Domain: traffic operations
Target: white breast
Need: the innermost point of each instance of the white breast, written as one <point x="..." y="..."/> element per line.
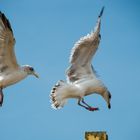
<point x="12" y="78"/>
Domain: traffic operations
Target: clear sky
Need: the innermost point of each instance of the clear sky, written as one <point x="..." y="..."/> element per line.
<point x="45" y="32"/>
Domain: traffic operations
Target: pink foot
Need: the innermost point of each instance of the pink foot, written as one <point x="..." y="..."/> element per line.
<point x="92" y="109"/>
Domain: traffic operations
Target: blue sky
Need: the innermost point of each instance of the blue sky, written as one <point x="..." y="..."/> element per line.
<point x="45" y="32"/>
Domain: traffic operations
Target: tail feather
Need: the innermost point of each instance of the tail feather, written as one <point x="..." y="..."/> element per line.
<point x="56" y="96"/>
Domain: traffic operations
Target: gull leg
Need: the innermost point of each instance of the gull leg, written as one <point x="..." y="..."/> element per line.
<point x="1" y="97"/>
<point x="89" y="107"/>
<point x="79" y="103"/>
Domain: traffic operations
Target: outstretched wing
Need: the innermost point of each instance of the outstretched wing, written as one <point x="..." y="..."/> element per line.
<point x="7" y="41"/>
<point x="82" y="54"/>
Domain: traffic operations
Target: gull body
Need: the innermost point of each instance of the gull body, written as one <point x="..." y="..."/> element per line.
<point x="10" y="71"/>
<point x="81" y="76"/>
<point x="12" y="77"/>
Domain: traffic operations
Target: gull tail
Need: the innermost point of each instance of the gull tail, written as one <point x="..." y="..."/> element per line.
<point x="58" y="99"/>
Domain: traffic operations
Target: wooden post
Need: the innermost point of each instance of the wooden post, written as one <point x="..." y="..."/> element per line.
<point x="96" y="135"/>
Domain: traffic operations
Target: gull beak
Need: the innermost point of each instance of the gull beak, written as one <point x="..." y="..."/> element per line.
<point x="109" y="106"/>
<point x="35" y="74"/>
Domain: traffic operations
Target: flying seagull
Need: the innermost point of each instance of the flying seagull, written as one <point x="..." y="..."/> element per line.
<point x="81" y="76"/>
<point x="10" y="71"/>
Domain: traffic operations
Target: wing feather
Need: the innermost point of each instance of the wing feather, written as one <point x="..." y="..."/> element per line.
<point x="82" y="54"/>
<point x="7" y="42"/>
<point x="84" y="49"/>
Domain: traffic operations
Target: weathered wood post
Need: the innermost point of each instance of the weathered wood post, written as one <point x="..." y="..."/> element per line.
<point x="101" y="135"/>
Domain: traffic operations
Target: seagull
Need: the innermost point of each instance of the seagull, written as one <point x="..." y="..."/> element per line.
<point x="82" y="79"/>
<point x="10" y="71"/>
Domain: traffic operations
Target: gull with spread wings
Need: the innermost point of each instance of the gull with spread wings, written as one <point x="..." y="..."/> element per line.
<point x="81" y="76"/>
<point x="10" y="71"/>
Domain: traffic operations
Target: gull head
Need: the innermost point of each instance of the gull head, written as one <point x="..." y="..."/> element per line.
<point x="30" y="70"/>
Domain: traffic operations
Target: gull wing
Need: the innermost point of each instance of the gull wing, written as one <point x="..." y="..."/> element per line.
<point x="82" y="54"/>
<point x="7" y="42"/>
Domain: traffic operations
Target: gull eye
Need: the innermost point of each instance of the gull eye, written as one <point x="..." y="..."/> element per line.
<point x="31" y="69"/>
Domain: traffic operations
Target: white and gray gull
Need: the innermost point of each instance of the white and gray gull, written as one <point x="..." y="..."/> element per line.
<point x="81" y="76"/>
<point x="10" y="71"/>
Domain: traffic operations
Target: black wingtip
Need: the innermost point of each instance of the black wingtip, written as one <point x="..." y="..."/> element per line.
<point x="5" y="21"/>
<point x="102" y="10"/>
<point x="1" y="14"/>
<point x="1" y="97"/>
